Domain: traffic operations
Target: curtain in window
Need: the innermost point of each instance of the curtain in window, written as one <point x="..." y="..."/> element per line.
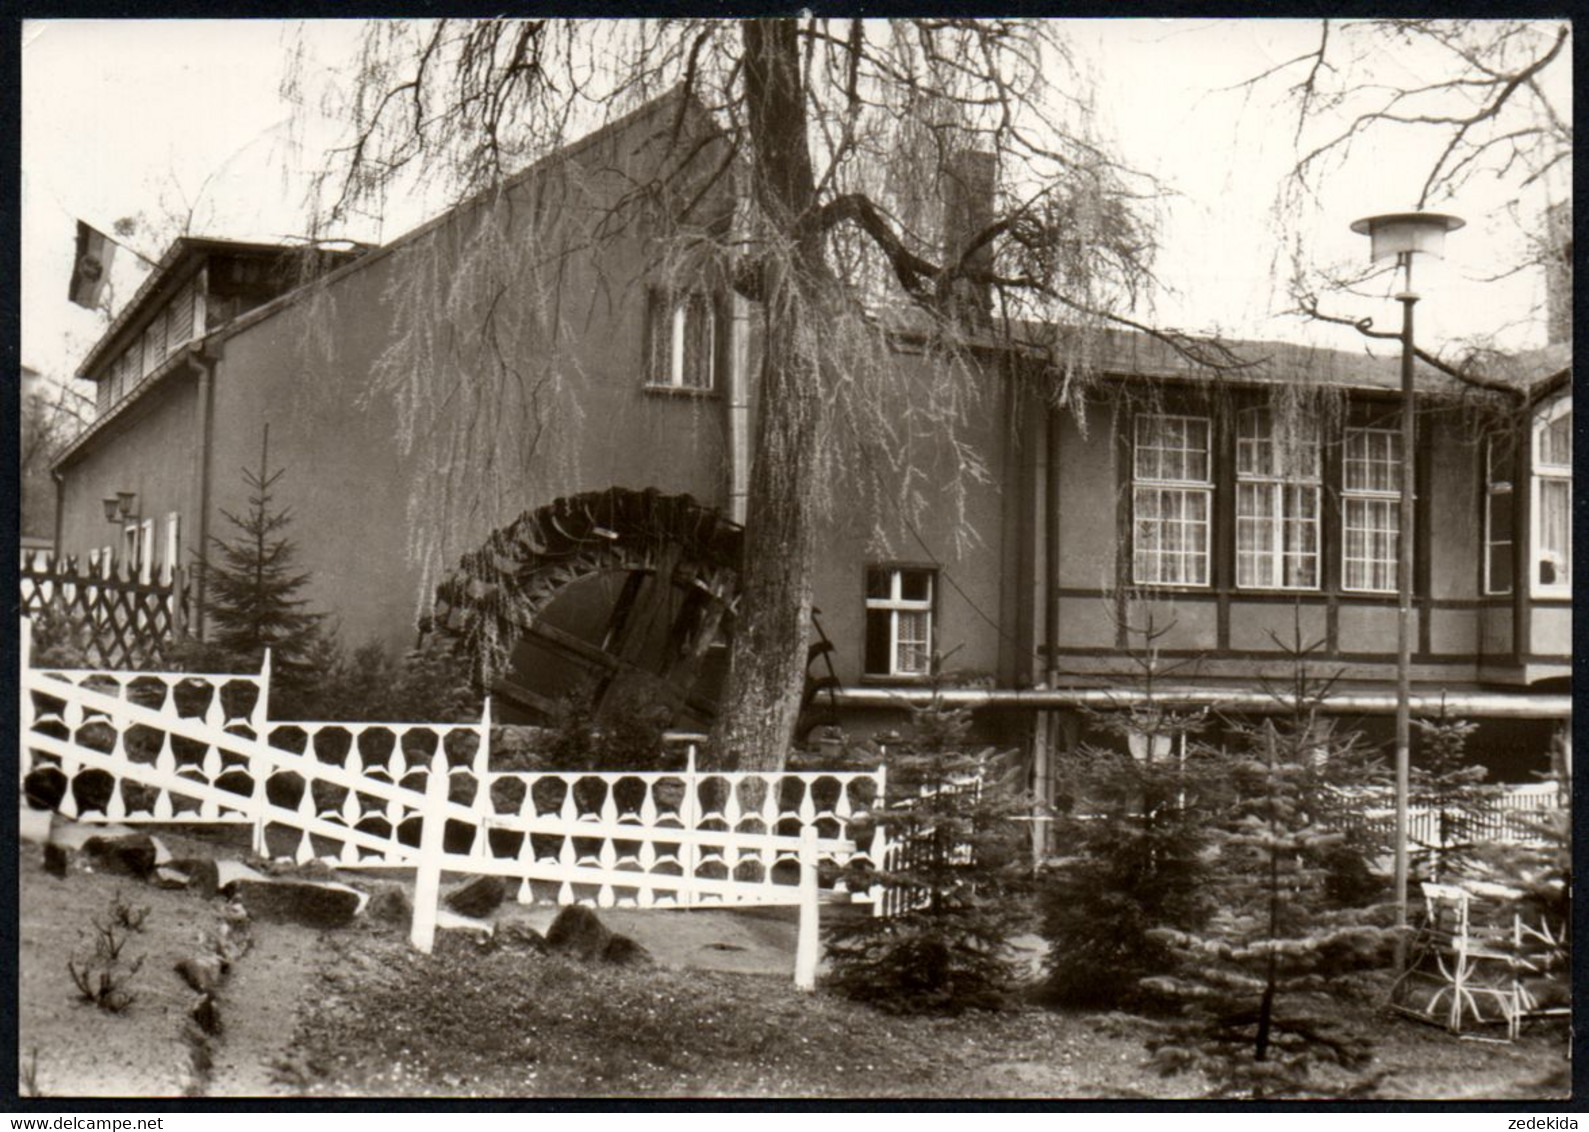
<point x="1555" y="531"/>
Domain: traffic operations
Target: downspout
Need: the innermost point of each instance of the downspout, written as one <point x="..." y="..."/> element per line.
<point x="738" y="407"/>
<point x="60" y="511"/>
<point x="201" y="475"/>
<point x="739" y="314"/>
<point x="1050" y="729"/>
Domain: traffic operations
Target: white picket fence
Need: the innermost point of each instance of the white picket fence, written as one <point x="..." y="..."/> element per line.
<point x="181" y="747"/>
<point x="1513" y="815"/>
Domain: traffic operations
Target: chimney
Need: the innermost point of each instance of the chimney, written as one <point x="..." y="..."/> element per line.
<point x="968" y="208"/>
<point x="1558" y="272"/>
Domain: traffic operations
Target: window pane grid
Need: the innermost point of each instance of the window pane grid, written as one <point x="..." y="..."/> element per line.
<point x="1171" y="449"/>
<point x="1551" y="536"/>
<point x="1370" y="542"/>
<point x="899" y="627"/>
<point x="1373" y="461"/>
<point x="1277" y="506"/>
<point x="1497" y="517"/>
<point x="1554" y="525"/>
<point x="1171" y="546"/>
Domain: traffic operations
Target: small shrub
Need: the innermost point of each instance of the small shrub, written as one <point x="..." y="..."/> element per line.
<point x="103" y="975"/>
<point x="29" y="1082"/>
<point x="125" y="915"/>
<point x="627" y="736"/>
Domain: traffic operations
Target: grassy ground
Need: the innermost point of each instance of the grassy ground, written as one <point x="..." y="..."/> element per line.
<point x="358" y="1013"/>
<point x="467" y="1022"/>
<point x="82" y="1050"/>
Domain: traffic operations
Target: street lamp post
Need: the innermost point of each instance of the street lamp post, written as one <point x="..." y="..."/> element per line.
<point x="1405" y="235"/>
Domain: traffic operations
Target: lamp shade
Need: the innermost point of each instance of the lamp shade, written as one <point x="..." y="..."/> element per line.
<point x="112" y="507"/>
<point x="1398" y="232"/>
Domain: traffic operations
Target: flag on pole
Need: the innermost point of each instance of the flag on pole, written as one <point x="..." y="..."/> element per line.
<point x="91" y="269"/>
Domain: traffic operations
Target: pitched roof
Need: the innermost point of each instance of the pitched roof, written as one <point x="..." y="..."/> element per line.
<point x="167" y="274"/>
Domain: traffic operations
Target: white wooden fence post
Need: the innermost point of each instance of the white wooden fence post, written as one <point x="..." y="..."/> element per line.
<point x="689" y="818"/>
<point x="482" y="789"/>
<point x="427" y="876"/>
<point x="806" y="942"/>
<point x="258" y="770"/>
<point x="25" y="704"/>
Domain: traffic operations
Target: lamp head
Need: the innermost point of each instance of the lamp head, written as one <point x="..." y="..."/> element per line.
<point x="119" y="507"/>
<point x="1395" y="234"/>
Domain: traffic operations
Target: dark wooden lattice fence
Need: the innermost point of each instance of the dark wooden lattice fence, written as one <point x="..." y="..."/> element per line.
<point x="119" y="619"/>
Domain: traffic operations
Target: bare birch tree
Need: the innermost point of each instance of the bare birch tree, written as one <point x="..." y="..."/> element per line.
<point x="843" y="137"/>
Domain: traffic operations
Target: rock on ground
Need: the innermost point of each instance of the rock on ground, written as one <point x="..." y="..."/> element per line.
<point x="579" y="932"/>
<point x="132" y="855"/>
<point x="309" y="903"/>
<point x="477" y="898"/>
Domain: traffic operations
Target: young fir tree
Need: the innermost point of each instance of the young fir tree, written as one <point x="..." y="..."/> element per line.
<point x="1135" y="859"/>
<point x="1256" y="983"/>
<point x="1448" y="786"/>
<point x="954" y="885"/>
<point x="1134" y="843"/>
<point x="251" y="588"/>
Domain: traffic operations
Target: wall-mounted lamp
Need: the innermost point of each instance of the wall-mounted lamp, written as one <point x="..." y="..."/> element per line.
<point x="120" y="507"/>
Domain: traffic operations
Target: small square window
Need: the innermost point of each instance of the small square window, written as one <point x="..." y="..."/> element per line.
<point x="899" y="621"/>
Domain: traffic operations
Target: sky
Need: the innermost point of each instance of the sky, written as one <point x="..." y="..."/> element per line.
<point x="122" y="118"/>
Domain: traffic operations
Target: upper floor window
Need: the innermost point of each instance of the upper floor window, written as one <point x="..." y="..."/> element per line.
<point x="1498" y="515"/>
<point x="1277" y="502"/>
<point x="683" y="340"/>
<point x="899" y="606"/>
<point x="1551" y="544"/>
<point x="1171" y="495"/>
<point x="1371" y="509"/>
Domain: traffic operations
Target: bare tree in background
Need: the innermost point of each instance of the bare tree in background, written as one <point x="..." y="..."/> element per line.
<point x="1476" y="100"/>
<point x="845" y="137"/>
<point x="51" y="416"/>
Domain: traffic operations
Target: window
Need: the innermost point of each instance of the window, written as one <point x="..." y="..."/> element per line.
<point x="1371" y="509"/>
<point x="1551" y="544"/>
<point x="1498" y="512"/>
<point x="1277" y="503"/>
<point x="683" y="341"/>
<point x="1170" y="501"/>
<point x="898" y="622"/>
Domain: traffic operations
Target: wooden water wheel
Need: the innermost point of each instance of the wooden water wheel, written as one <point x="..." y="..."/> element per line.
<point x="626" y="596"/>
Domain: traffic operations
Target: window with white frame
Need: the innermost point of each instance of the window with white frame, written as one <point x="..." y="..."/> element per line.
<point x="1171" y="497"/>
<point x="1498" y="515"/>
<point x="1551" y="530"/>
<point x="1372" y="468"/>
<point x="682" y="351"/>
<point x="1277" y="502"/>
<point x="899" y="605"/>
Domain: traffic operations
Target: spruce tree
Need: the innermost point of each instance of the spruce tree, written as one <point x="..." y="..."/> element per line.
<point x="955" y="884"/>
<point x="1445" y="784"/>
<point x="1256" y="983"/>
<point x="251" y="588"/>
<point x="1134" y="839"/>
<point x="1135" y="851"/>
